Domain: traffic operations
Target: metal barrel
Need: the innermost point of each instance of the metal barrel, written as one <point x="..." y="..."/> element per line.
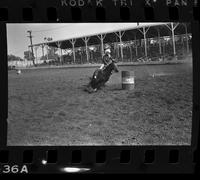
<point x="128" y="80"/>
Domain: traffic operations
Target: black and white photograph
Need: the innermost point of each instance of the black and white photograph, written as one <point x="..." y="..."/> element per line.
<point x="99" y="84"/>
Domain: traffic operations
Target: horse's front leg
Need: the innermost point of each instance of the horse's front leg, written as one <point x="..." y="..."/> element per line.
<point x="116" y="68"/>
<point x="101" y="85"/>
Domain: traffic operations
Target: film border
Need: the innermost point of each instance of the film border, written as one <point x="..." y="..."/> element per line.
<point x="112" y="163"/>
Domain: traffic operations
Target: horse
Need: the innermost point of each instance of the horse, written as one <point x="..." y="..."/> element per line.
<point x="101" y="76"/>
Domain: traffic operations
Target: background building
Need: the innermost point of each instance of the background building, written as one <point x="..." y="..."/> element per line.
<point x="164" y="41"/>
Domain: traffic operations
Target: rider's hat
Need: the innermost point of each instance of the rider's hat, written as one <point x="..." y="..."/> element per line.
<point x="107" y="48"/>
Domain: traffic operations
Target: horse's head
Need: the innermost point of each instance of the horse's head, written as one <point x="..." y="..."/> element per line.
<point x="97" y="76"/>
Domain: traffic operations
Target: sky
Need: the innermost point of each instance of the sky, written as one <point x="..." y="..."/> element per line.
<point x="18" y="41"/>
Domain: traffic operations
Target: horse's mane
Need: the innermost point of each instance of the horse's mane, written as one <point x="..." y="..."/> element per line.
<point x="109" y="68"/>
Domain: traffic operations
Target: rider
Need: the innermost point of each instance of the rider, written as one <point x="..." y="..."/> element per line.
<point x="107" y="58"/>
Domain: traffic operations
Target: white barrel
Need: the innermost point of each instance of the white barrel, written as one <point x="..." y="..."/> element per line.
<point x="128" y="80"/>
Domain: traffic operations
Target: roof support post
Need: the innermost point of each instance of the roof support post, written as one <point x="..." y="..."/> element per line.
<point x="86" y="39"/>
<point x="159" y="41"/>
<point x="136" y="52"/>
<point x="130" y="51"/>
<point x="172" y="28"/>
<point x="144" y="32"/>
<point x="145" y="41"/>
<point x="36" y="58"/>
<point x="60" y="50"/>
<point x="73" y="41"/>
<point x="102" y="37"/>
<point x="47" y="49"/>
<point x="121" y="45"/>
<point x="173" y="39"/>
<point x="120" y="35"/>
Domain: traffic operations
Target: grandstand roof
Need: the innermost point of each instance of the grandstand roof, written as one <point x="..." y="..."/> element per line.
<point x="129" y="34"/>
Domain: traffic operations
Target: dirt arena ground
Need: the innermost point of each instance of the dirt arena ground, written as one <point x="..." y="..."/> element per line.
<point x="50" y="107"/>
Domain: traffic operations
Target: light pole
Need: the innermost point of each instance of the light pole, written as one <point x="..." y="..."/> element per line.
<point x="30" y="36"/>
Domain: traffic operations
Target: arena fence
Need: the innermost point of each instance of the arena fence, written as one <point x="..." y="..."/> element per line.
<point x="133" y="51"/>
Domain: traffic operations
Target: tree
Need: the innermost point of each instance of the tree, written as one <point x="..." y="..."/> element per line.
<point x="12" y="57"/>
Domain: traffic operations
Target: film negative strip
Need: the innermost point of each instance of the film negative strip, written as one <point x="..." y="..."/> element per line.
<point x="95" y="86"/>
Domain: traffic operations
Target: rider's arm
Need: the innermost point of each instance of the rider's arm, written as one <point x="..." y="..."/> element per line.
<point x="105" y="60"/>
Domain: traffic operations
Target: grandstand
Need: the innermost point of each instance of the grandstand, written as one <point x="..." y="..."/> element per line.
<point x="157" y="42"/>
